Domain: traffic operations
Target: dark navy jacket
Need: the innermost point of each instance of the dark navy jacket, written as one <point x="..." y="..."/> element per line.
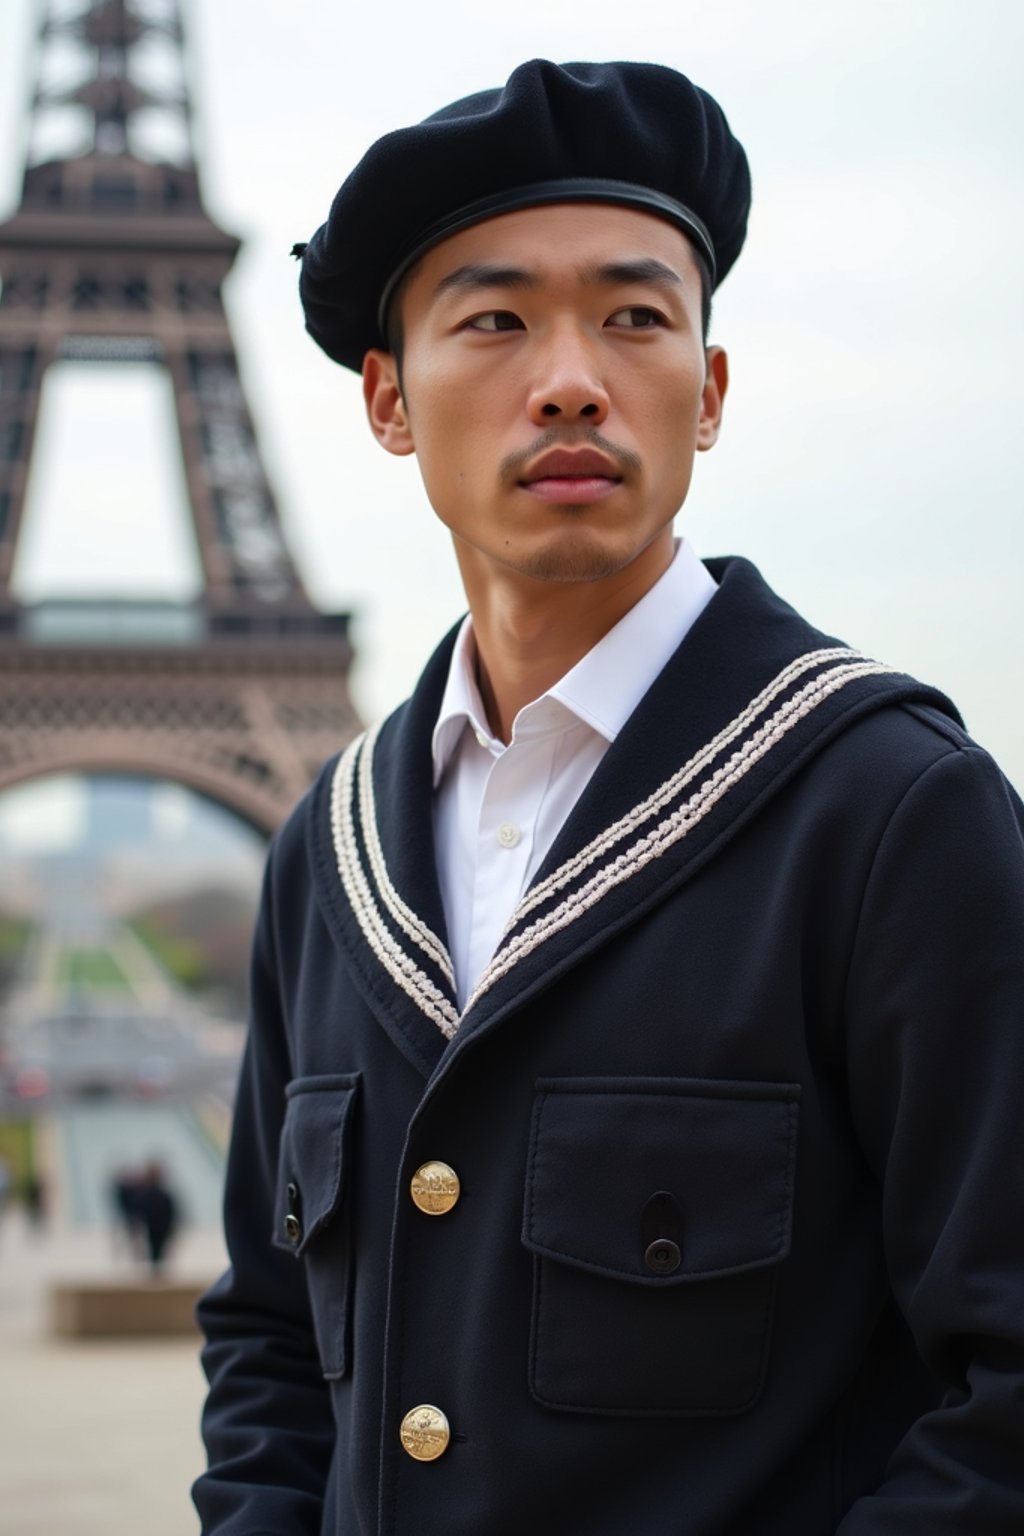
<point x="773" y="970"/>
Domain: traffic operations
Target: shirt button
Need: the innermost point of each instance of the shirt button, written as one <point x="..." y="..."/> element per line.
<point x="425" y="1433"/>
<point x="508" y="834"/>
<point x="435" y="1188"/>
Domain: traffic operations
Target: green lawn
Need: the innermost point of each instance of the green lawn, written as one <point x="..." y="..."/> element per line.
<point x="14" y="936"/>
<point x="92" y="970"/>
<point x="15" y="933"/>
<point x="17" y="1148"/>
<point x="179" y="956"/>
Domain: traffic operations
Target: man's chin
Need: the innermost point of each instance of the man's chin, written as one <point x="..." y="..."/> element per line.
<point x="578" y="558"/>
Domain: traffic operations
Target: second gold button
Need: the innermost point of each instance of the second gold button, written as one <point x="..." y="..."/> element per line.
<point x="435" y="1188"/>
<point x="425" y="1433"/>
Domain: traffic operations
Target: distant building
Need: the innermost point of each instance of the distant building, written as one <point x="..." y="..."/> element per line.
<point x="111" y="256"/>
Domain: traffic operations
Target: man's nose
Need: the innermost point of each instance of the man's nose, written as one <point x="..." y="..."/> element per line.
<point x="567" y="387"/>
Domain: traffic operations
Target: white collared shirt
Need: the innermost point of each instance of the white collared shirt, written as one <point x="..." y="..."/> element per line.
<point x="497" y="808"/>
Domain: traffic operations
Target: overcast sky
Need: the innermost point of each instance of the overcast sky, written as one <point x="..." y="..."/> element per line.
<point x="871" y="458"/>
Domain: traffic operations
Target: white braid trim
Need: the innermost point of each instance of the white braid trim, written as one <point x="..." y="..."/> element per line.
<point x="399" y="966"/>
<point x="674" y="827"/>
<point x="411" y="924"/>
<point x="679" y="780"/>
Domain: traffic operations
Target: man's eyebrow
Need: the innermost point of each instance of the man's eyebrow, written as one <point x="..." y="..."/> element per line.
<point x="476" y="275"/>
<point x="645" y="270"/>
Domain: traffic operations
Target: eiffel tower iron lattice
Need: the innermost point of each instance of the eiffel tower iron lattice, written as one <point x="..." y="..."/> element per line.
<point x="111" y="255"/>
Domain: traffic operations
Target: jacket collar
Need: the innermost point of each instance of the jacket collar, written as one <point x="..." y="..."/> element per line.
<point x="371" y="841"/>
<point x="749" y="696"/>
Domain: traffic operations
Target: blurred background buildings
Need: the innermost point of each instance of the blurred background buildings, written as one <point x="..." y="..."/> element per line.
<point x="149" y="743"/>
<point x="125" y="951"/>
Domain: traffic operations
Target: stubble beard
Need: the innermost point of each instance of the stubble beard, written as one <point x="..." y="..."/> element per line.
<point x="576" y="559"/>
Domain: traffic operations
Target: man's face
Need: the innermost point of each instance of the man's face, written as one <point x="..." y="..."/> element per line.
<point x="555" y="388"/>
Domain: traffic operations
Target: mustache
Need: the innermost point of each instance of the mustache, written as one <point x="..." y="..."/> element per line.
<point x="513" y="464"/>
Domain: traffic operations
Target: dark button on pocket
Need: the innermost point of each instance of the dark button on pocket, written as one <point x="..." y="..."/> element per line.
<point x="661" y="1225"/>
<point x="662" y="1256"/>
<point x="292" y="1224"/>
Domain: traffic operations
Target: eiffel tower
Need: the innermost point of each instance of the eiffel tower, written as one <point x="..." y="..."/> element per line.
<point x="111" y="256"/>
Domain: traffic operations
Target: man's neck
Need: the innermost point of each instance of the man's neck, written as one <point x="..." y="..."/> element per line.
<point x="529" y="634"/>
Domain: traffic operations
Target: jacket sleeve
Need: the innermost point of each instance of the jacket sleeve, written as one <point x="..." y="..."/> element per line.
<point x="268" y="1423"/>
<point x="936" y="1063"/>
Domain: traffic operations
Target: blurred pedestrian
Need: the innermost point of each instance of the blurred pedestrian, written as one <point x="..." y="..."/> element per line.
<point x="124" y="1199"/>
<point x="33" y="1198"/>
<point x="157" y="1213"/>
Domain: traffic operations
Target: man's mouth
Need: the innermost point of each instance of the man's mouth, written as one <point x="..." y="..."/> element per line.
<point x="571" y="476"/>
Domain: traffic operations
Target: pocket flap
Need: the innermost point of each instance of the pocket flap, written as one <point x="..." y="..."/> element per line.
<point x="312" y="1160"/>
<point x="601" y="1148"/>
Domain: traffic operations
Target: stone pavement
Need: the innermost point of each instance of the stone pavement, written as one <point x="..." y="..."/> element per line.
<point x="97" y="1437"/>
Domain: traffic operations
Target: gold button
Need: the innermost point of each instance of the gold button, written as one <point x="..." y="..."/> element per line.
<point x="435" y="1188"/>
<point x="425" y="1433"/>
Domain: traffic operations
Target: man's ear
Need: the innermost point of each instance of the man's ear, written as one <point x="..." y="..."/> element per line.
<point x="716" y="382"/>
<point x="385" y="408"/>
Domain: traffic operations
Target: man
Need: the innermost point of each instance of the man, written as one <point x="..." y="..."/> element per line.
<point x="629" y="1133"/>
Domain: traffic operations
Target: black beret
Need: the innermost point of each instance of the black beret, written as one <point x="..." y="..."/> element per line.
<point x="640" y="135"/>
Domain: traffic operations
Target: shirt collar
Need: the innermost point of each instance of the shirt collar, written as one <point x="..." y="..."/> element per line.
<point x="605" y="686"/>
<point x="461" y="704"/>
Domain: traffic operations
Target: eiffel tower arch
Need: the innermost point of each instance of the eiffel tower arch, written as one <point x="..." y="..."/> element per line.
<point x="112" y="256"/>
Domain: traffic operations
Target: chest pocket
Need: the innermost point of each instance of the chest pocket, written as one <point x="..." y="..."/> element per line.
<point x="312" y="1211"/>
<point x="658" y="1211"/>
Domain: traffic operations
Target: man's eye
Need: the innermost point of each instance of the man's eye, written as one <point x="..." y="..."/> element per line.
<point x="496" y="320"/>
<point x="637" y="318"/>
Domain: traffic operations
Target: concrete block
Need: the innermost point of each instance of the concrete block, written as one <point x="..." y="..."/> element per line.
<point x="82" y="1309"/>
